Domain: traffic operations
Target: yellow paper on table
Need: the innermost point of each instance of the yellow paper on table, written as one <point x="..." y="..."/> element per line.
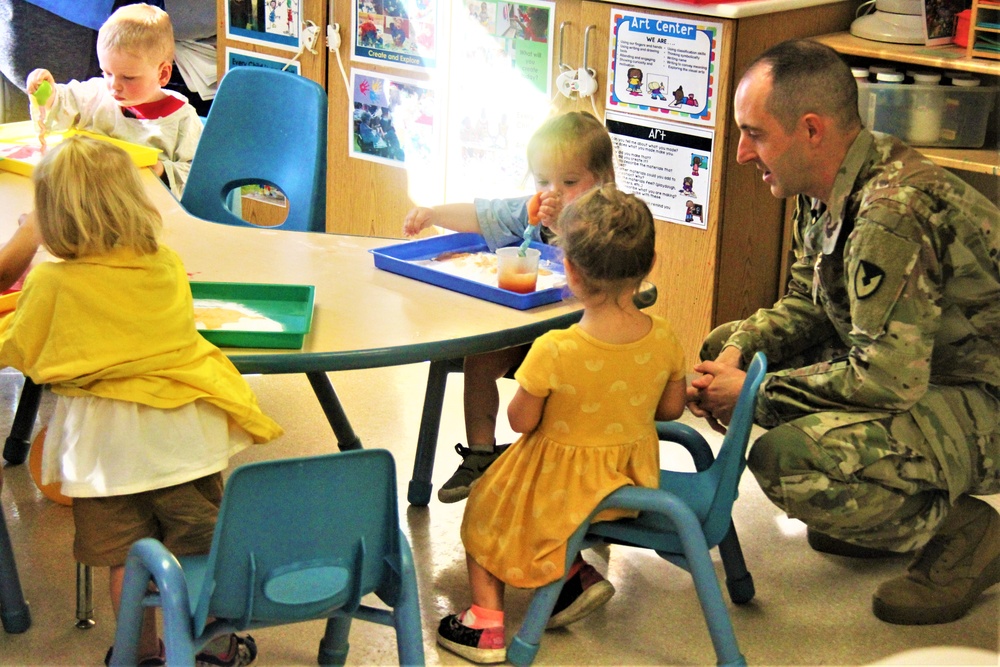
<point x="20" y="151"/>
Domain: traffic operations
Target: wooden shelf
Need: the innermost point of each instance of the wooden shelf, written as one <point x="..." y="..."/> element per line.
<point x="950" y="57"/>
<point x="942" y="57"/>
<point x="979" y="160"/>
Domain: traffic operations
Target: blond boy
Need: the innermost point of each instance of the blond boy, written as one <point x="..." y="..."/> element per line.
<point x="135" y="48"/>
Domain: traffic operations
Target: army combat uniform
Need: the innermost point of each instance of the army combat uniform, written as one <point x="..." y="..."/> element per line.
<point x="885" y="407"/>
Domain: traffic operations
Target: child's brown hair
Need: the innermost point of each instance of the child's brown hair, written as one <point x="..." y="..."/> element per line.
<point x="139" y="29"/>
<point x="610" y="239"/>
<point x="90" y="200"/>
<point x="577" y="133"/>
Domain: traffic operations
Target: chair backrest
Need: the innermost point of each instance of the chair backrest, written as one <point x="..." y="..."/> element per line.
<point x="298" y="538"/>
<point x="264" y="127"/>
<point x="731" y="460"/>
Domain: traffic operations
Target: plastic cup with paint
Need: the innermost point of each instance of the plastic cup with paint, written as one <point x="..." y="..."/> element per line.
<point x="517" y="273"/>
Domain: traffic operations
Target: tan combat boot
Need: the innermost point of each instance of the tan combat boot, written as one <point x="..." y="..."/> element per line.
<point x="949" y="573"/>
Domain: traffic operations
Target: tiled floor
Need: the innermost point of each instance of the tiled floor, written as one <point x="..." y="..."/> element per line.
<point x="810" y="609"/>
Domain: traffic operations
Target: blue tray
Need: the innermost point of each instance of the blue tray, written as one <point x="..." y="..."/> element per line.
<point x="400" y="259"/>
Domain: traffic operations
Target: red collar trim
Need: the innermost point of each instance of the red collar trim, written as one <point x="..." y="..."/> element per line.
<point x="158" y="109"/>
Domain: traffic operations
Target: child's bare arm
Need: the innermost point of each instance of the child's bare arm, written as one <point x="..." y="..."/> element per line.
<point x="671" y="405"/>
<point x="525" y="411"/>
<point x="456" y="217"/>
<point x="16" y="254"/>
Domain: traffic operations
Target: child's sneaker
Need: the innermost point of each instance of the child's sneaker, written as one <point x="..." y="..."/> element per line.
<point x="485" y="646"/>
<point x="474" y="464"/>
<point x="242" y="653"/>
<point x="582" y="593"/>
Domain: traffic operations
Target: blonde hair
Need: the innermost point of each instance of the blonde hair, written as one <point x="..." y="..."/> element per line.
<point x="141" y="30"/>
<point x="90" y="200"/>
<point x="610" y="238"/>
<point x="577" y="133"/>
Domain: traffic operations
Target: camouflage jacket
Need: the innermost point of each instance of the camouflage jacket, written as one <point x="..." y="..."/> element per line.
<point x="901" y="272"/>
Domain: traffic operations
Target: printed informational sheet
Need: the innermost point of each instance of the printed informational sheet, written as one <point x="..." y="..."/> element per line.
<point x="666" y="164"/>
<point x="275" y="23"/>
<point x="403" y="33"/>
<point x="394" y="121"/>
<point x="241" y="58"/>
<point x="499" y="93"/>
<point x="663" y="66"/>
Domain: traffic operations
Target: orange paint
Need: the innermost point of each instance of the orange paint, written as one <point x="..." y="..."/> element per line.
<point x="522" y="283"/>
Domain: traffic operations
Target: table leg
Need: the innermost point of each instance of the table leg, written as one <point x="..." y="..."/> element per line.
<point x="84" y="597"/>
<point x="15" y="449"/>
<point x="419" y="491"/>
<point x="342" y="429"/>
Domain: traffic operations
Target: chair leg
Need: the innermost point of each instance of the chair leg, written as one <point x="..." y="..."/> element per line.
<point x="739" y="581"/>
<point x="347" y="440"/>
<point x="720" y="628"/>
<point x="419" y="491"/>
<point x="333" y="648"/>
<point x="84" y="597"/>
<point x="14" y="612"/>
<point x="15" y="449"/>
<point x="406" y="612"/>
<point x="524" y="646"/>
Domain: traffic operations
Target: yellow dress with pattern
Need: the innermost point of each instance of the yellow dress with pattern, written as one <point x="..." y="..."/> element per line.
<point x="597" y="434"/>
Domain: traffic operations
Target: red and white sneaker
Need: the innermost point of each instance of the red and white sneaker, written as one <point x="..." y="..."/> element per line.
<point x="582" y="594"/>
<point x="485" y="646"/>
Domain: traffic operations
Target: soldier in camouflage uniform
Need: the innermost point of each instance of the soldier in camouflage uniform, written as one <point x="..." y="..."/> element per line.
<point x="884" y="401"/>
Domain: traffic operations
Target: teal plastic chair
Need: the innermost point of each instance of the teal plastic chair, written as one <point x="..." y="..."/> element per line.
<point x="265" y="127"/>
<point x="682" y="520"/>
<point x="296" y="540"/>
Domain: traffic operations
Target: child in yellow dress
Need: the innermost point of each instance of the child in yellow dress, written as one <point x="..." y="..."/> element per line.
<point x="148" y="412"/>
<point x="587" y="404"/>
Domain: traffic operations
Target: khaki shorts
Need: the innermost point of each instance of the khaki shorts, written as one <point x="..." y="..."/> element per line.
<point x="182" y="517"/>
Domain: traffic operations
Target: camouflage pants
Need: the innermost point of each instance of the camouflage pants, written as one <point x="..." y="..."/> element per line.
<point x="877" y="478"/>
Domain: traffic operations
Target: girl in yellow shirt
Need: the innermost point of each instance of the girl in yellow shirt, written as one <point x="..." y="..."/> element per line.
<point x="587" y="404"/>
<point x="148" y="412"/>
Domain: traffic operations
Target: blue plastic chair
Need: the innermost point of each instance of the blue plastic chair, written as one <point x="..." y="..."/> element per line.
<point x="296" y="540"/>
<point x="688" y="515"/>
<point x="265" y="127"/>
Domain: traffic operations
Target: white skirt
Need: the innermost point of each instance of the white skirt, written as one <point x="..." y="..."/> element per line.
<point x="105" y="447"/>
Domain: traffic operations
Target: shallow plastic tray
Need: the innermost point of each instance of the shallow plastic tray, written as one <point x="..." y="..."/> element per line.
<point x="399" y="259"/>
<point x="292" y="305"/>
<point x="24" y="133"/>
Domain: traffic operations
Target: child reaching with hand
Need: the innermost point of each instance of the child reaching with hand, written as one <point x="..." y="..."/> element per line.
<point x="135" y="48"/>
<point x="148" y="412"/>
<point x="586" y="406"/>
<point x="568" y="155"/>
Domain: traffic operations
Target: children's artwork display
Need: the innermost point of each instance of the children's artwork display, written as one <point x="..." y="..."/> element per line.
<point x="241" y="58"/>
<point x="275" y="23"/>
<point x="663" y="66"/>
<point x="500" y="91"/>
<point x="667" y="164"/>
<point x="394" y="121"/>
<point x="403" y="33"/>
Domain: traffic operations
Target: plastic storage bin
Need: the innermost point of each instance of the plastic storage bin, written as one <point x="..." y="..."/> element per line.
<point x="901" y="110"/>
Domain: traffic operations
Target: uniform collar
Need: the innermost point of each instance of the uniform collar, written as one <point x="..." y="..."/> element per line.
<point x="843" y="185"/>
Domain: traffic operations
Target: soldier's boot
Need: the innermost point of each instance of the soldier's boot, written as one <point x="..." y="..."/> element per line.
<point x="949" y="573"/>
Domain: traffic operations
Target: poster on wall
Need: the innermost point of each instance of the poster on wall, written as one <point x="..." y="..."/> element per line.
<point x="241" y="58"/>
<point x="394" y="121"/>
<point x="664" y="66"/>
<point x="274" y="23"/>
<point x="667" y="164"/>
<point x="403" y="33"/>
<point x="500" y="91"/>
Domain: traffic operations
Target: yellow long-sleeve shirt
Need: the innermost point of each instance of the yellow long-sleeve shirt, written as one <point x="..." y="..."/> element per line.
<point x="121" y="326"/>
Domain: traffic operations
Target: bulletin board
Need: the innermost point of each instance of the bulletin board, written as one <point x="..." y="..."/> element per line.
<point x="664" y="66"/>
